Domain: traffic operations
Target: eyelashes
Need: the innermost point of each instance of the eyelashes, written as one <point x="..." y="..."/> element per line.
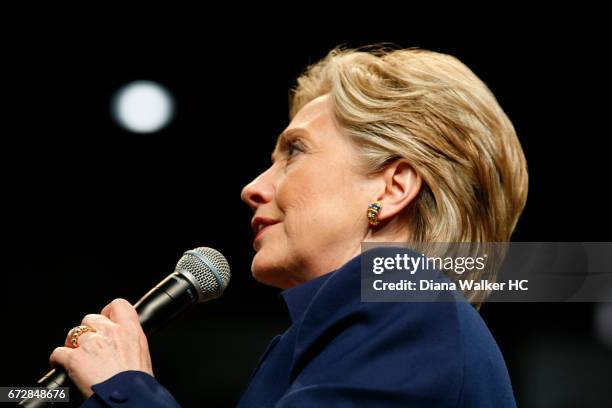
<point x="291" y="148"/>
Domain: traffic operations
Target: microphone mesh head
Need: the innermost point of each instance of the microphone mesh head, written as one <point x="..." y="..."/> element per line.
<point x="206" y="268"/>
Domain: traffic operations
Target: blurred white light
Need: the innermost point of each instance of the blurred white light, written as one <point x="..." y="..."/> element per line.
<point x="143" y="106"/>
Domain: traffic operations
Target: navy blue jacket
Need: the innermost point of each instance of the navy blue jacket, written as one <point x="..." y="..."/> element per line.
<point x="341" y="352"/>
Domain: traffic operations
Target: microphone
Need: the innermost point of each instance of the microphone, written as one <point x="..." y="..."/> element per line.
<point x="200" y="275"/>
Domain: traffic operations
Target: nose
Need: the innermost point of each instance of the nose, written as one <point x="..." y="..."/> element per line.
<point x="259" y="191"/>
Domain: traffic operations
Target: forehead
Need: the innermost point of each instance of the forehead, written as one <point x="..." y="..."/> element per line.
<point x="315" y="111"/>
<point x="315" y="118"/>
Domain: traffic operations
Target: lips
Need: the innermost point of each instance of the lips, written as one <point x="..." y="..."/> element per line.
<point x="261" y="231"/>
<point x="260" y="224"/>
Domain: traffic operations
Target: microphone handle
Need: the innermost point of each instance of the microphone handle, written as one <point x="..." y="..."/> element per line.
<point x="169" y="298"/>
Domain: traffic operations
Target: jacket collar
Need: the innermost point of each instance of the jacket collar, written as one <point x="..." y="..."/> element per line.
<point x="299" y="297"/>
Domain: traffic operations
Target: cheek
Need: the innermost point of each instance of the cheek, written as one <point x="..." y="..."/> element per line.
<point x="300" y="209"/>
<point x="320" y="204"/>
<point x="304" y="197"/>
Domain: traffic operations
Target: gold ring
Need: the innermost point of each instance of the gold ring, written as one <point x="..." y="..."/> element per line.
<point x="76" y="332"/>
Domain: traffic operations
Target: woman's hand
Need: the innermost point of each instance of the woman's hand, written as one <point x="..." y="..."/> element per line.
<point x="117" y="345"/>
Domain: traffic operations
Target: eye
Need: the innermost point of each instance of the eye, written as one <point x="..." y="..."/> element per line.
<point x="293" y="148"/>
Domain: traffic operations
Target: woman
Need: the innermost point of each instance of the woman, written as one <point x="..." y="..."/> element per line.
<point x="383" y="146"/>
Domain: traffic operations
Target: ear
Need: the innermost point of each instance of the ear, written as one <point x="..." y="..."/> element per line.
<point x="401" y="186"/>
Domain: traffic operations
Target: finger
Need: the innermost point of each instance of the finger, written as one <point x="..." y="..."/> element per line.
<point x="93" y="342"/>
<point x="67" y="342"/>
<point x="122" y="312"/>
<point x="60" y="356"/>
<point x="97" y="322"/>
<point x="82" y="336"/>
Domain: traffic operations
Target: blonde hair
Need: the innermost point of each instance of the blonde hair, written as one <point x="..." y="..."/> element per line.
<point x="432" y="110"/>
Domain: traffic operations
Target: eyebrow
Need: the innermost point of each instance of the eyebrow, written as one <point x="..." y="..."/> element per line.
<point x="284" y="136"/>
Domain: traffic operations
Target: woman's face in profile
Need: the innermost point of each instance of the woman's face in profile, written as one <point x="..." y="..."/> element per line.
<point x="311" y="202"/>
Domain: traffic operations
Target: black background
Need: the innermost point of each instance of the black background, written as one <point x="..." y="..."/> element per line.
<point x="92" y="212"/>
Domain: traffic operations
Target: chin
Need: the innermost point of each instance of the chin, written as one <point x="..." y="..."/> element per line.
<point x="264" y="271"/>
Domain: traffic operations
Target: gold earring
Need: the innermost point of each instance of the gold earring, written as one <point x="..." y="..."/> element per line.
<point x="373" y="211"/>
